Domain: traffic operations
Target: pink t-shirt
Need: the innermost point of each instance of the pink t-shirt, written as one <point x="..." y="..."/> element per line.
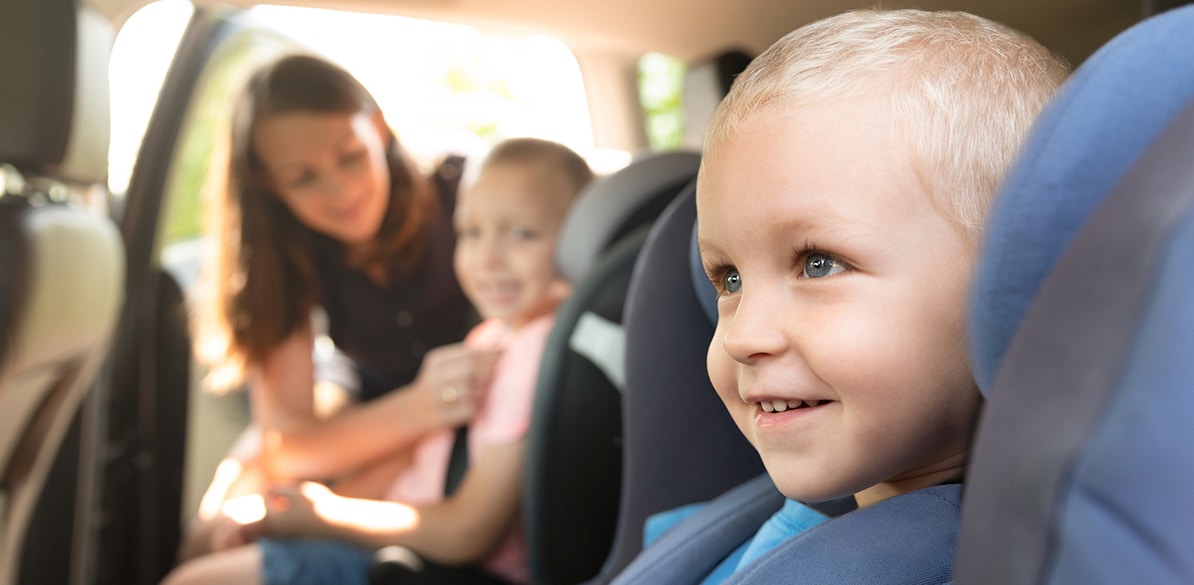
<point x="503" y="418"/>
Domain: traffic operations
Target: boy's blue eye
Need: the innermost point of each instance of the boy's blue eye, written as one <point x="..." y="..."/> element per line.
<point x="733" y="281"/>
<point x="819" y="266"/>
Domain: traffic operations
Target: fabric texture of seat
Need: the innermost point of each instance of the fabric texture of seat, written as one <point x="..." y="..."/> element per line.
<point x="1083" y="328"/>
<point x="884" y="546"/>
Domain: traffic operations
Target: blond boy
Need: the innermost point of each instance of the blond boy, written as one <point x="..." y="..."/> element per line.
<point x="840" y="203"/>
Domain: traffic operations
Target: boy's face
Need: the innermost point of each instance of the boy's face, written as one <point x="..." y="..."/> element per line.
<point x="839" y="348"/>
<point x="507" y="225"/>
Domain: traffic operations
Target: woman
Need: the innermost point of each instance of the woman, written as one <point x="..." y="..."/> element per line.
<point x="323" y="210"/>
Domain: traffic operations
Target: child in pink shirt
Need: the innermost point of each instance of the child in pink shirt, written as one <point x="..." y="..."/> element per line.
<point x="507" y="225"/>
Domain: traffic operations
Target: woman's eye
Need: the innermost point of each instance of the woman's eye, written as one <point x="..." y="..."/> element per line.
<point x="352" y="158"/>
<point x="302" y="181"/>
<point x="819" y="266"/>
<point x="732" y="281"/>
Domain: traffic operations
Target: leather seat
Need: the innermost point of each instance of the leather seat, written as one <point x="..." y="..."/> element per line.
<point x="63" y="266"/>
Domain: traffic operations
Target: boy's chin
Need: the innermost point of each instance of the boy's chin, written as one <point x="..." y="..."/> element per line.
<point x="805" y="484"/>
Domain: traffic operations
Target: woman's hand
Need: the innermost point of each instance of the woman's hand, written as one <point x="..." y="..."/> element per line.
<point x="451" y="383"/>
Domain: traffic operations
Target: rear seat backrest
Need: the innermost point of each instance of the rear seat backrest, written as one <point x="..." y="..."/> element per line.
<point x="53" y="131"/>
<point x="1081" y="327"/>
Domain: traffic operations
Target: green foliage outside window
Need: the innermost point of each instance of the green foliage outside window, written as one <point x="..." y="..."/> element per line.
<point x="661" y="91"/>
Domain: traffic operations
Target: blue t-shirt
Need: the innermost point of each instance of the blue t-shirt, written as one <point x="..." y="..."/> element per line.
<point x="792" y="519"/>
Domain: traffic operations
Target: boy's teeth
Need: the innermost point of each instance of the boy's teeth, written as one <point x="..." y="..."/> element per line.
<point x="785" y="405"/>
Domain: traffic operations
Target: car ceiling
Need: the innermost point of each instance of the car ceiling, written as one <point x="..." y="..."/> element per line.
<point x="691" y="29"/>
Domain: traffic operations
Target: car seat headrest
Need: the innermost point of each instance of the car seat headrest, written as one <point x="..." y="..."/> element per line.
<point x="613" y="206"/>
<point x="1086" y="139"/>
<point x="706" y="83"/>
<point x="54" y="118"/>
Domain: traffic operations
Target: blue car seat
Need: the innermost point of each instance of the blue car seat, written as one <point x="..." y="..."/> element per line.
<point x="1083" y="332"/>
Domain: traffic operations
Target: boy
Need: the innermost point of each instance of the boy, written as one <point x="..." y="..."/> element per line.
<point x="844" y="185"/>
<point x="507" y="225"/>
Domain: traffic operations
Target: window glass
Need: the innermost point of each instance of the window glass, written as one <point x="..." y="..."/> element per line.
<point x="661" y="92"/>
<point x="445" y="88"/>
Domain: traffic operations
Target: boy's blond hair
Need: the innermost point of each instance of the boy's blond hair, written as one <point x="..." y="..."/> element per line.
<point x="962" y="92"/>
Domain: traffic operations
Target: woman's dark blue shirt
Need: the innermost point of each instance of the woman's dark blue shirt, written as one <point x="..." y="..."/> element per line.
<point x="386" y="329"/>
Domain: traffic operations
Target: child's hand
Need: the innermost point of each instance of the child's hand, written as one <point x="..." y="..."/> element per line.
<point x="290" y="511"/>
<point x="452" y="382"/>
<point x="237" y="523"/>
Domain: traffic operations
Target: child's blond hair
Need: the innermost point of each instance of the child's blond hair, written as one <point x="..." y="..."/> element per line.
<point x="962" y="92"/>
<point x="549" y="159"/>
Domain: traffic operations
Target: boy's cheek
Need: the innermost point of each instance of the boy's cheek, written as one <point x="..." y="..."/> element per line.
<point x="723" y="373"/>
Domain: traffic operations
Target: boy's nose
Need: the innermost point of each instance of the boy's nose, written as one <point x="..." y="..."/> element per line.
<point x="753" y="327"/>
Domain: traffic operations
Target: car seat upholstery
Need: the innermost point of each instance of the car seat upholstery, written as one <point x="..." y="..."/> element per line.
<point x="63" y="270"/>
<point x="571" y="488"/>
<point x="681" y="446"/>
<point x="1082" y="332"/>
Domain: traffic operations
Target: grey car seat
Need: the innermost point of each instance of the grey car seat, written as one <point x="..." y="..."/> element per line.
<point x="572" y="483"/>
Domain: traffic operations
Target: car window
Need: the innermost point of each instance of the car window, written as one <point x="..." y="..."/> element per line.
<point x="661" y="93"/>
<point x="445" y="88"/>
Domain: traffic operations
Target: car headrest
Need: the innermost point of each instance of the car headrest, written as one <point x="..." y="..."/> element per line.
<point x="54" y="118"/>
<point x="613" y="206"/>
<point x="1113" y="106"/>
<point x="706" y="83"/>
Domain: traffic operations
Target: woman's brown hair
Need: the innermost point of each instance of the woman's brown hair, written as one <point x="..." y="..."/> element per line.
<point x="262" y="285"/>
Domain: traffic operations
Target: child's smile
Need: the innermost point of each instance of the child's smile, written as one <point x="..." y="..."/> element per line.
<point x="839" y="346"/>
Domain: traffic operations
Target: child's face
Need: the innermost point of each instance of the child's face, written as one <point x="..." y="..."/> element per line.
<point x="329" y="169"/>
<point x="839" y="348"/>
<point x="507" y="225"/>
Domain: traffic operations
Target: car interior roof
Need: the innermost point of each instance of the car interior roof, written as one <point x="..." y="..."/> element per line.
<point x="691" y="29"/>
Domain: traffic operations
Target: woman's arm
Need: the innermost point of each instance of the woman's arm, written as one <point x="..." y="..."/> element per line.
<point x="300" y="445"/>
<point x="460" y="530"/>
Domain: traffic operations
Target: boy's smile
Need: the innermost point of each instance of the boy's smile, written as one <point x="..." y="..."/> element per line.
<point x="839" y="346"/>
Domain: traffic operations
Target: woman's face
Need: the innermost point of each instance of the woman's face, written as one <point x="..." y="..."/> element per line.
<point x="329" y="169"/>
